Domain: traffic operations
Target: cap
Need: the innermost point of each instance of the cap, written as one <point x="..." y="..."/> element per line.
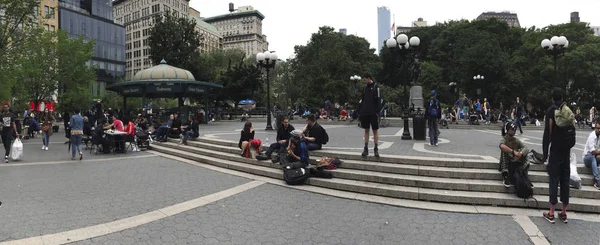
<point x="432" y="92"/>
<point x="296" y="133"/>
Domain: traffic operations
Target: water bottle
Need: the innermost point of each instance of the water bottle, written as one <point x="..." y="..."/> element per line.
<point x="267" y="140"/>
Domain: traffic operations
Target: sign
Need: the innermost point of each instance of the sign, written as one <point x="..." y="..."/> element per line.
<point x="164" y="88"/>
<point x="132" y="90"/>
<point x="195" y="89"/>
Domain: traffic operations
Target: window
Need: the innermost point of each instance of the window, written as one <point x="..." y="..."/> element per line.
<point x="156" y="8"/>
<point x="46" y="11"/>
<point x="52" y="13"/>
<point x="47" y="27"/>
<point x="53" y="28"/>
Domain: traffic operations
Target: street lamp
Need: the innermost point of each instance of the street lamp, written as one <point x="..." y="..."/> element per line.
<point x="454" y="85"/>
<point x="267" y="60"/>
<point x="478" y="77"/>
<point x="555" y="47"/>
<point x="401" y="44"/>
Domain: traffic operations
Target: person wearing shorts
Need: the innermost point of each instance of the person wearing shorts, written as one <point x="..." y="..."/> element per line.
<point x="370" y="105"/>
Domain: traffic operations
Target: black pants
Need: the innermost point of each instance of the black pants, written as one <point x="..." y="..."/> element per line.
<point x="276" y="146"/>
<point x="559" y="172"/>
<point x="7" y="137"/>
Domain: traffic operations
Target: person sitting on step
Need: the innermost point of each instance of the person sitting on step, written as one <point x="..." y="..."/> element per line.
<point x="246" y="136"/>
<point x="297" y="149"/>
<point x="313" y="133"/>
<point x="513" y="153"/>
<point x="283" y="136"/>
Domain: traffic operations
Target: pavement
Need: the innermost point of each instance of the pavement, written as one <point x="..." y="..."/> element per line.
<point x="142" y="198"/>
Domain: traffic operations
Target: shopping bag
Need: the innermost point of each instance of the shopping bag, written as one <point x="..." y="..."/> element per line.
<point x="575" y="179"/>
<point x="16" y="152"/>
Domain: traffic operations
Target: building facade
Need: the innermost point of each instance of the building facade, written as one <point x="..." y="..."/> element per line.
<point x="137" y="17"/>
<point x="210" y="38"/>
<point x="241" y="29"/>
<point x="47" y="14"/>
<point x="510" y="18"/>
<point x="93" y="19"/>
<point x="384" y="26"/>
<point x="596" y="30"/>
<point x="575" y="17"/>
<point x="344" y="31"/>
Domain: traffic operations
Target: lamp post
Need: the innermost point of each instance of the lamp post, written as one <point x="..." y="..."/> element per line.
<point x="267" y="60"/>
<point x="555" y="47"/>
<point x="401" y="44"/>
<point x="454" y="85"/>
<point x="476" y="78"/>
<point x="354" y="80"/>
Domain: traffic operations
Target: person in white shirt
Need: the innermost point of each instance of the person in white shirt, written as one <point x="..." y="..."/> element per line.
<point x="591" y="153"/>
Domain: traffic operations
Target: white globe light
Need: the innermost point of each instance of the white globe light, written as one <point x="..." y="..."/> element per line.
<point x="352" y="78"/>
<point x="562" y="40"/>
<point x="406" y="46"/>
<point x="415" y="41"/>
<point x="402" y="39"/>
<point x="546" y="43"/>
<point x="274" y="56"/>
<point x="554" y="40"/>
<point x="267" y="55"/>
<point x="566" y="44"/>
<point x="482" y="77"/>
<point x="474" y="77"/>
<point x="260" y="57"/>
<point x="391" y="43"/>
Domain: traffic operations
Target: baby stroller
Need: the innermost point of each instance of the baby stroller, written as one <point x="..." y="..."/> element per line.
<point x="142" y="139"/>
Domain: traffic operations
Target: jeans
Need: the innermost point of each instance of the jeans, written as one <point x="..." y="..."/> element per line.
<point x="162" y="131"/>
<point x="46" y="138"/>
<point x="559" y="172"/>
<point x="276" y="146"/>
<point x="590" y="162"/>
<point x="434" y="132"/>
<point x="7" y="138"/>
<point x="311" y="146"/>
<point x="519" y="123"/>
<point x="76" y="144"/>
<point x="187" y="135"/>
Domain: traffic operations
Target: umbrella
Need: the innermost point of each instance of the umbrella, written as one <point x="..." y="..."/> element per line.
<point x="246" y="102"/>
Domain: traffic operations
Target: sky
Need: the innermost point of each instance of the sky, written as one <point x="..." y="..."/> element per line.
<point x="289" y="23"/>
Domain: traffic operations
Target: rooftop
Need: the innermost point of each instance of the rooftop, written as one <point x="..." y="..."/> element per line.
<point x="205" y="25"/>
<point x="234" y="15"/>
<point x="117" y="2"/>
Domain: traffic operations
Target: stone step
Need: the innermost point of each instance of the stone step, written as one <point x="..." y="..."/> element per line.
<point x="395" y="159"/>
<point x="411" y="179"/>
<point x="407" y="192"/>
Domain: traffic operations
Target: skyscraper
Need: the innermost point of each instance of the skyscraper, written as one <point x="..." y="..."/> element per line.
<point x="383" y="26"/>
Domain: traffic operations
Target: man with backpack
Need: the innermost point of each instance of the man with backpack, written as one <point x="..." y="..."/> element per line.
<point x="314" y="134"/>
<point x="559" y="134"/>
<point x="433" y="112"/>
<point x="370" y="106"/>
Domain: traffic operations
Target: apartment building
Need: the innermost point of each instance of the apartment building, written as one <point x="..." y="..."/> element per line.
<point x="510" y="18"/>
<point x="47" y="14"/>
<point x="210" y="38"/>
<point x="137" y="17"/>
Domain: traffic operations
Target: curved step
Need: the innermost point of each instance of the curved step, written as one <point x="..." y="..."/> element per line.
<point x="366" y="187"/>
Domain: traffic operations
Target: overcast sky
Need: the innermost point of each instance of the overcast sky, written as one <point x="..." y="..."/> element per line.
<point x="291" y="22"/>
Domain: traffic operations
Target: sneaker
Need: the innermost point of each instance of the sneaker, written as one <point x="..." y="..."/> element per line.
<point x="5" y="159"/>
<point x="548" y="217"/>
<point x="365" y="152"/>
<point x="43" y="147"/>
<point x="597" y="186"/>
<point x="506" y="182"/>
<point x="80" y="156"/>
<point x="72" y="158"/>
<point x="376" y="152"/>
<point x="46" y="148"/>
<point x="563" y="217"/>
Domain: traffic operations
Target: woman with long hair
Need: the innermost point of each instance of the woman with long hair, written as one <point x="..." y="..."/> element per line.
<point x="46" y="119"/>
<point x="245" y="137"/>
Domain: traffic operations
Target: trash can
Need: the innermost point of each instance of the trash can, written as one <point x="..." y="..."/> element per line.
<point x="419" y="127"/>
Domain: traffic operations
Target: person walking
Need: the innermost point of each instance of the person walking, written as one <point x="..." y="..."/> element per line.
<point x="76" y="124"/>
<point x="433" y="112"/>
<point x="8" y="129"/>
<point x="517" y="112"/>
<point x="46" y="119"/>
<point x="559" y="169"/>
<point x="370" y="105"/>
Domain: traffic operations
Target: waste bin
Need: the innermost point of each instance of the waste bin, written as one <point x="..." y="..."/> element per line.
<point x="419" y="127"/>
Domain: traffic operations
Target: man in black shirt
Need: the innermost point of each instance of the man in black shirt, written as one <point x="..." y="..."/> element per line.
<point x="370" y="105"/>
<point x="191" y="129"/>
<point x="283" y="135"/>
<point x="313" y="133"/>
<point x="559" y="169"/>
<point x="517" y="113"/>
<point x="8" y="129"/>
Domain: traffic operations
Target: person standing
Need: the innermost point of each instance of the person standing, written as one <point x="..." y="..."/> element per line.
<point x="8" y="129"/>
<point x="559" y="169"/>
<point x="370" y="105"/>
<point x="517" y="112"/>
<point x="591" y="153"/>
<point x="46" y="119"/>
<point x="433" y="112"/>
<point x="486" y="110"/>
<point x="76" y="124"/>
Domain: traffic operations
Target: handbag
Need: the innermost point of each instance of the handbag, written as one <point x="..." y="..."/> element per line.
<point x="45" y="128"/>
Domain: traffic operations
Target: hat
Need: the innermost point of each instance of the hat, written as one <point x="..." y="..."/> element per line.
<point x="296" y="133"/>
<point x="432" y="92"/>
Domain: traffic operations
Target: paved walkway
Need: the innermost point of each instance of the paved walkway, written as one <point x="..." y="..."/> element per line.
<point x="142" y="198"/>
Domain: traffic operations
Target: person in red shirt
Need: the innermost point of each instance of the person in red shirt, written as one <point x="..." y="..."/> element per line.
<point x="343" y="115"/>
<point x="117" y="124"/>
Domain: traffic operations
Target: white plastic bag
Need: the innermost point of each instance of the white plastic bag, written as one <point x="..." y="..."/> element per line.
<point x="575" y="179"/>
<point x="16" y="152"/>
<point x="537" y="123"/>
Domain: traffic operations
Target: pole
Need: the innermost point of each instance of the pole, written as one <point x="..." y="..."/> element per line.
<point x="269" y="125"/>
<point x="406" y="133"/>
<point x="555" y="71"/>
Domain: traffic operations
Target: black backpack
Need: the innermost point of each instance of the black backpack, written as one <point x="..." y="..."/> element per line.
<point x="522" y="184"/>
<point x="325" y="136"/>
<point x="294" y="173"/>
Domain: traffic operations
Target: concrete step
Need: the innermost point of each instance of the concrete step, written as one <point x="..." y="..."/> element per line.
<point x="374" y="188"/>
<point x="412" y="179"/>
<point x="397" y="159"/>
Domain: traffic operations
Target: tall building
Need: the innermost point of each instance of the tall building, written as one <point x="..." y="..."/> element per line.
<point x="93" y="19"/>
<point x="384" y="26"/>
<point x="344" y="31"/>
<point x="511" y="18"/>
<point x="210" y="38"/>
<point x="47" y="14"/>
<point x="137" y="17"/>
<point x="241" y="29"/>
<point x="596" y="30"/>
<point x="419" y="23"/>
<point x="575" y="17"/>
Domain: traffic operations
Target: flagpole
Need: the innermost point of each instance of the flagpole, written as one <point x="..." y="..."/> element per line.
<point x="395" y="28"/>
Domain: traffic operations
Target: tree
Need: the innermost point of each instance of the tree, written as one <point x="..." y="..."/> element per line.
<point x="175" y="40"/>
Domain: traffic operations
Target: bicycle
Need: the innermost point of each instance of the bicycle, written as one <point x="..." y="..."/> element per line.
<point x="383" y="122"/>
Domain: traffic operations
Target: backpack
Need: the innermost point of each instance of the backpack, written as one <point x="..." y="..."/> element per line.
<point x="325" y="136"/>
<point x="433" y="111"/>
<point x="565" y="131"/>
<point x="522" y="184"/>
<point x="294" y="173"/>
